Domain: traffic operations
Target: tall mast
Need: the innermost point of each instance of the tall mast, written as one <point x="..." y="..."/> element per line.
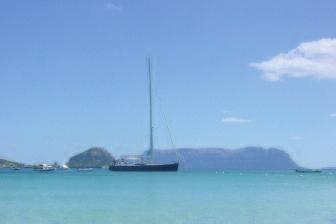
<point x="151" y="144"/>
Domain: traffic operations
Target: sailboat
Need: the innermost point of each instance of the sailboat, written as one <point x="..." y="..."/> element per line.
<point x="147" y="166"/>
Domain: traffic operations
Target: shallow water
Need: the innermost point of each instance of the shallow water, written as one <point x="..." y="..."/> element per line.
<point x="100" y="196"/>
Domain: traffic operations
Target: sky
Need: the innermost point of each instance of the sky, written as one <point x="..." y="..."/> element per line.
<point x="226" y="74"/>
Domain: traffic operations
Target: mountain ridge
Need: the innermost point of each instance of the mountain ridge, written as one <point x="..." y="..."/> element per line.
<point x="247" y="158"/>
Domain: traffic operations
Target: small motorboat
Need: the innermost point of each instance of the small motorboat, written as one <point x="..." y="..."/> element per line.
<point x="84" y="169"/>
<point x="44" y="168"/>
<point x="16" y="168"/>
<point x="64" y="167"/>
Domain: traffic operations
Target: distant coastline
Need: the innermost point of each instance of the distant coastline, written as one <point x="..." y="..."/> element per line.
<point x="7" y="164"/>
<point x="248" y="158"/>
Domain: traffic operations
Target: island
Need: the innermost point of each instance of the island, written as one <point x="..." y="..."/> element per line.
<point x="95" y="157"/>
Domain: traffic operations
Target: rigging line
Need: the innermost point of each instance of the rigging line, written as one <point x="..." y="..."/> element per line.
<point x="164" y="117"/>
<point x="179" y="160"/>
<point x="167" y="126"/>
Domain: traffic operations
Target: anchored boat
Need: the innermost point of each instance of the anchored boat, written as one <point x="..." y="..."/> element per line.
<point x="85" y="169"/>
<point x="308" y="171"/>
<point x="148" y="166"/>
<point x="44" y="168"/>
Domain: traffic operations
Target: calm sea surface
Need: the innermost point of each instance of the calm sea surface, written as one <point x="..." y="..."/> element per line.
<point x="100" y="196"/>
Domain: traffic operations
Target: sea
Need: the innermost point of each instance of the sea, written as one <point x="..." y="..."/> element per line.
<point x="229" y="197"/>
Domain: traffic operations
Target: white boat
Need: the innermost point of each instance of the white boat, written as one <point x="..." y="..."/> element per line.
<point x="44" y="167"/>
<point x="64" y="167"/>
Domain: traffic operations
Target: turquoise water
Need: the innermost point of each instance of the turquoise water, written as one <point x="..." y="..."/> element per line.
<point x="101" y="196"/>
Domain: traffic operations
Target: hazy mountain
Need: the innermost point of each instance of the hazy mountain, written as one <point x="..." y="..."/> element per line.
<point x="329" y="168"/>
<point x="91" y="158"/>
<point x="7" y="163"/>
<point x="249" y="158"/>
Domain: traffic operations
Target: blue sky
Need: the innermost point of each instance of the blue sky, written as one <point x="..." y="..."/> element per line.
<point x="228" y="74"/>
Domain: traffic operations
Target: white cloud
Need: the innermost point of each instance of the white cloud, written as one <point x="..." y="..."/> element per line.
<point x="316" y="59"/>
<point x="113" y="7"/>
<point x="333" y="115"/>
<point x="236" y="120"/>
